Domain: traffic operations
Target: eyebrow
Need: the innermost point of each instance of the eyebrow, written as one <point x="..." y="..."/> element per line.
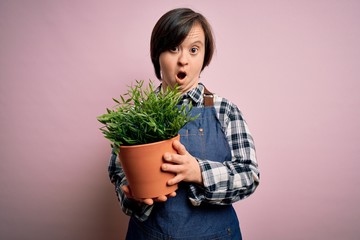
<point x="197" y="42"/>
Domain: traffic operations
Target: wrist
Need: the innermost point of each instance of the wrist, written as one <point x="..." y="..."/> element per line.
<point x="199" y="178"/>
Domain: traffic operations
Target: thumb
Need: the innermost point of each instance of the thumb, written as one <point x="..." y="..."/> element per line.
<point x="126" y="190"/>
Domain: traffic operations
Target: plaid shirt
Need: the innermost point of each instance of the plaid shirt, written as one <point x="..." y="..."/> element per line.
<point x="224" y="183"/>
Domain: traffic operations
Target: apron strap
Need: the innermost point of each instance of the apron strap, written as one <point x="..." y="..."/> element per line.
<point x="208" y="98"/>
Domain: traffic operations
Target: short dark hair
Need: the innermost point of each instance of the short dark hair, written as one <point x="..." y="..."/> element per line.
<point x="171" y="30"/>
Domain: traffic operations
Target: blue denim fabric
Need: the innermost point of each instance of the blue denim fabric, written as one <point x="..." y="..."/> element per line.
<point x="177" y="218"/>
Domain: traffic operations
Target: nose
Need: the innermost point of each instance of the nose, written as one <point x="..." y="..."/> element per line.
<point x="183" y="58"/>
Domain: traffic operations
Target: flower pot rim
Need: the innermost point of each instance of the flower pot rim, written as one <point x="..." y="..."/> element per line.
<point x="148" y="144"/>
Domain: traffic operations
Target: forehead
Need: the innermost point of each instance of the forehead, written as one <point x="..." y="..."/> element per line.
<point x="196" y="34"/>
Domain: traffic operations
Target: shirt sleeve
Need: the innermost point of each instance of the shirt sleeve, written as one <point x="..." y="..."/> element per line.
<point x="117" y="177"/>
<point x="229" y="181"/>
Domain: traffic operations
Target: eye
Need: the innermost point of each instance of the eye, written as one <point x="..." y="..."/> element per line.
<point x="194" y="50"/>
<point x="174" y="49"/>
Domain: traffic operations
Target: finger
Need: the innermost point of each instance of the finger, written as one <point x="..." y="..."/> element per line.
<point x="167" y="157"/>
<point x="127" y="191"/>
<point x="178" y="178"/>
<point x="179" y="147"/>
<point x="161" y="199"/>
<point x="173" y="168"/>
<point x="148" y="201"/>
<point x="173" y="194"/>
<point x="174" y="158"/>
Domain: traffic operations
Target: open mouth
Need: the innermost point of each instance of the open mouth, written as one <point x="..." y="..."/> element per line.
<point x="181" y="75"/>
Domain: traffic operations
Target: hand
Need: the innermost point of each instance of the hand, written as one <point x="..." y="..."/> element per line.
<point x="183" y="164"/>
<point x="149" y="201"/>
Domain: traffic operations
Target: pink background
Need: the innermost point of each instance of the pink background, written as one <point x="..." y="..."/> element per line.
<point x="292" y="67"/>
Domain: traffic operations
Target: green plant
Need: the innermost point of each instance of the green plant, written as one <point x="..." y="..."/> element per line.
<point x="143" y="115"/>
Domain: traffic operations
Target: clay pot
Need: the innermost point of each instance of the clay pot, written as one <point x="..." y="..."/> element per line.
<point x="142" y="167"/>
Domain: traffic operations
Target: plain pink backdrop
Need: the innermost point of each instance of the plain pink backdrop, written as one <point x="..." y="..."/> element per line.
<point x="292" y="67"/>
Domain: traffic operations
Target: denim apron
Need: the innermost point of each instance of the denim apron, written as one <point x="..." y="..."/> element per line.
<point x="177" y="218"/>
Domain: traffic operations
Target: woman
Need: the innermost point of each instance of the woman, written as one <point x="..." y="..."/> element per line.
<point x="215" y="164"/>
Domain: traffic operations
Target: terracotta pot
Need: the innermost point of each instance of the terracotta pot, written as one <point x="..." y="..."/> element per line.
<point x="142" y="167"/>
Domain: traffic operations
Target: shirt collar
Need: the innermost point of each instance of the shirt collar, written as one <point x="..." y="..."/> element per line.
<point x="195" y="94"/>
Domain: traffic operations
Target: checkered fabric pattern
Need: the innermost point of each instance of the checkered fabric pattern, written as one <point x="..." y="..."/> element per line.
<point x="224" y="183"/>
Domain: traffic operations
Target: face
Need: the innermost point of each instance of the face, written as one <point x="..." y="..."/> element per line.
<point x="182" y="64"/>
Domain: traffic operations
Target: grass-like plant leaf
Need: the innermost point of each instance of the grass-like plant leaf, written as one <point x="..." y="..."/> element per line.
<point x="142" y="115"/>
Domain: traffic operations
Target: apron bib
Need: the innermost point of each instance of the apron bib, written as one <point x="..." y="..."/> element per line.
<point x="177" y="218"/>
